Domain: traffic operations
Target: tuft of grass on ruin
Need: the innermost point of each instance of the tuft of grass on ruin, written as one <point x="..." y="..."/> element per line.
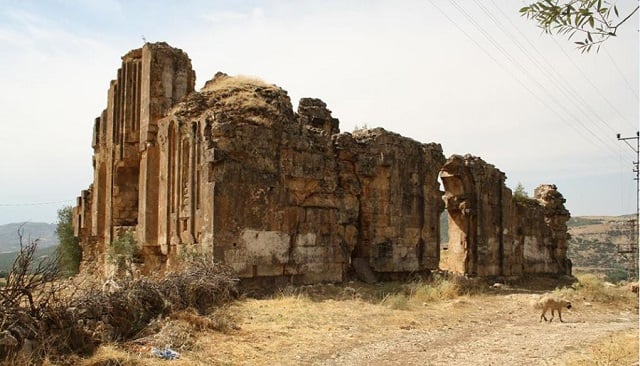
<point x="243" y="95"/>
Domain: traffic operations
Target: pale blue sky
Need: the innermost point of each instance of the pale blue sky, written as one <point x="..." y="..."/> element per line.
<point x="471" y="75"/>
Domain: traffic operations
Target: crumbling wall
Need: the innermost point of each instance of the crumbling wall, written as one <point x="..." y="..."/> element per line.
<point x="150" y="80"/>
<point x="289" y="196"/>
<point x="541" y="231"/>
<point x="491" y="233"/>
<point x="232" y="172"/>
<point x="476" y="199"/>
<point x="395" y="182"/>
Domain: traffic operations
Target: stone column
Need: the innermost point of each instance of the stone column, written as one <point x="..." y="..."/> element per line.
<point x="166" y="77"/>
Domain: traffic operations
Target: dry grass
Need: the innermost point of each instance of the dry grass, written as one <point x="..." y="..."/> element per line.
<point x="397" y="302"/>
<point x="241" y="97"/>
<point x="436" y="289"/>
<point x="296" y="329"/>
<point x="616" y="349"/>
<point x="393" y="294"/>
<point x="111" y="355"/>
<point x="447" y="288"/>
<point x="593" y="288"/>
<point x="224" y="82"/>
<point x="300" y="325"/>
<point x="221" y="319"/>
<point x="295" y="325"/>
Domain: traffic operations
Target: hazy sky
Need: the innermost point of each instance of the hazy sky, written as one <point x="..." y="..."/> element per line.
<point x="469" y="74"/>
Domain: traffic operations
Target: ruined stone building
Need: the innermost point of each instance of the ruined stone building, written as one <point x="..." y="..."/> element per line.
<point x="232" y="172"/>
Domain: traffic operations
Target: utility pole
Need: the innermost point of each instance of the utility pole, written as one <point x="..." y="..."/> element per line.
<point x="633" y="248"/>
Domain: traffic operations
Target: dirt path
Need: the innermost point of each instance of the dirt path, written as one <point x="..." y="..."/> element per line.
<point x="332" y="325"/>
<point x="500" y="330"/>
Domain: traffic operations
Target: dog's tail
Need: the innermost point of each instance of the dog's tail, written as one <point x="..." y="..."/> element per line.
<point x="536" y="303"/>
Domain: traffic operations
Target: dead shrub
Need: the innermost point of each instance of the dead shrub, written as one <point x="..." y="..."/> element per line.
<point x="173" y="334"/>
<point x="202" y="285"/>
<point x="131" y="308"/>
<point x="219" y="320"/>
<point x="41" y="320"/>
<point x="29" y="292"/>
<point x="197" y="321"/>
<point x="68" y="333"/>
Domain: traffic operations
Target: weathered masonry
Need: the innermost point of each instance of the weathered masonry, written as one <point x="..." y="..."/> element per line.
<point x="232" y="172"/>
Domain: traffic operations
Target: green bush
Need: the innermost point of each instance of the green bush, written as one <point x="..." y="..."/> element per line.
<point x="68" y="251"/>
<point x="123" y="252"/>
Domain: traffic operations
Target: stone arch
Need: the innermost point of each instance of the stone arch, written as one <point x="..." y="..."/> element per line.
<point x="460" y="205"/>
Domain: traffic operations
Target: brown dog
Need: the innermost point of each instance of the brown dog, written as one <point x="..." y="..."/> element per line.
<point x="551" y="303"/>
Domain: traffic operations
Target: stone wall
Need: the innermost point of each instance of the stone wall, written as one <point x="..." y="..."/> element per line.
<point x="542" y="228"/>
<point x="233" y="173"/>
<point x="394" y="181"/>
<point x="491" y="233"/>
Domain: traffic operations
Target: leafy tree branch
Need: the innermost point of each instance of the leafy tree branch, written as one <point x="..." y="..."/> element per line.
<point x="596" y="20"/>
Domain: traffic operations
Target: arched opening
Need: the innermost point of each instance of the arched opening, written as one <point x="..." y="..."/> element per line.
<point x="443" y="245"/>
<point x="459" y="254"/>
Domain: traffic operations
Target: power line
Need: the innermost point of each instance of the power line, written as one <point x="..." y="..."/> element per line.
<point x="548" y="69"/>
<point x="615" y="65"/>
<point x="563" y="87"/>
<point x="591" y="82"/>
<point x="604" y="97"/>
<point x="526" y="73"/>
<point x="522" y="69"/>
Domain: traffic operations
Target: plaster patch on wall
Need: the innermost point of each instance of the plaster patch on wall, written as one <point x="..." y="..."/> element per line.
<point x="273" y="244"/>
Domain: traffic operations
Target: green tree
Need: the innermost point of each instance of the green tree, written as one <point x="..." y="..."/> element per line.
<point x="68" y="251"/>
<point x="595" y="20"/>
<point x="520" y="194"/>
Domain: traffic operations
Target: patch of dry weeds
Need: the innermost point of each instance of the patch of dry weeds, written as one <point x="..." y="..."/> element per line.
<point x="615" y="349"/>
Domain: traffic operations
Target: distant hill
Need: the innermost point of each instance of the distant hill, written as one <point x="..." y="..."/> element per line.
<point x="46" y="233"/>
<point x="7" y="259"/>
<point x="594" y="244"/>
